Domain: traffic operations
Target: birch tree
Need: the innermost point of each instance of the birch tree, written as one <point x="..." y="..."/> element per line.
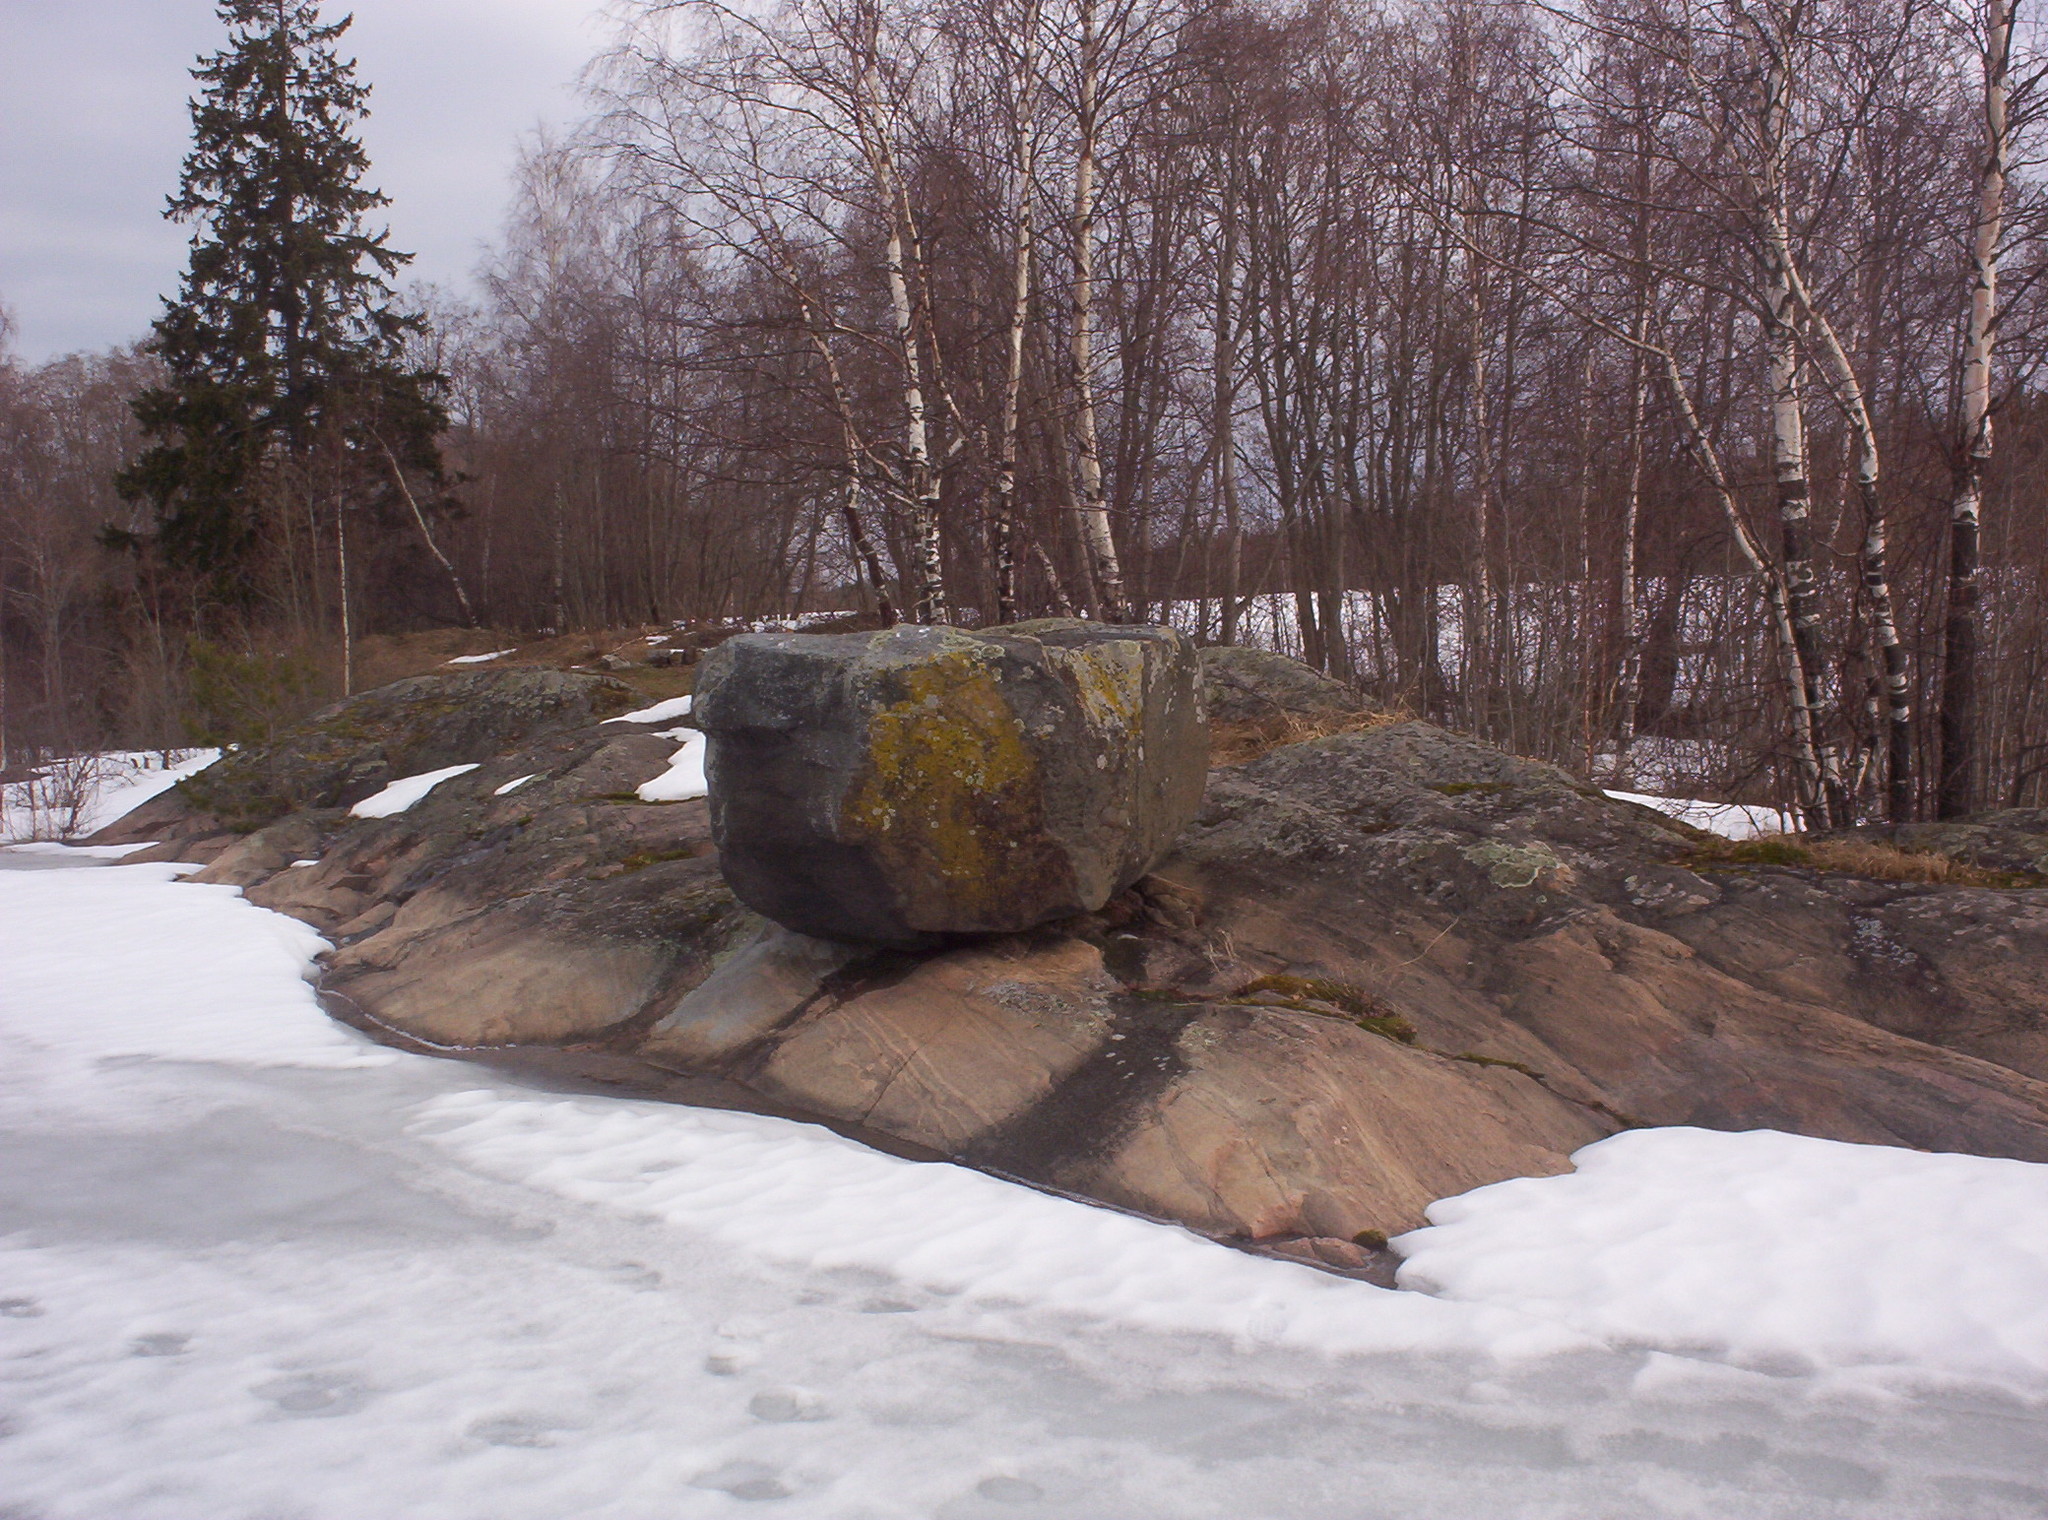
<point x="1956" y="792"/>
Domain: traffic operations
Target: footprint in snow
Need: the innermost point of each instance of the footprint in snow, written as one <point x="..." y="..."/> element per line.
<point x="514" y="1430"/>
<point x="744" y="1480"/>
<point x="1006" y="1490"/>
<point x="314" y="1395"/>
<point x="159" y="1345"/>
<point x="787" y="1406"/>
<point x="19" y="1308"/>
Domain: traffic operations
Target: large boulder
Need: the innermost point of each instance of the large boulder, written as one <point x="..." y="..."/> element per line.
<point x="891" y="787"/>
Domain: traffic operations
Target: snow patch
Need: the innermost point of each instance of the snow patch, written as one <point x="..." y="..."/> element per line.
<point x="480" y="659"/>
<point x="74" y="852"/>
<point x="674" y="707"/>
<point x="1769" y="1249"/>
<point x="684" y="777"/>
<point x="406" y="792"/>
<point x="1731" y="820"/>
<point x="82" y="794"/>
<point x="113" y="962"/>
<point x="513" y="785"/>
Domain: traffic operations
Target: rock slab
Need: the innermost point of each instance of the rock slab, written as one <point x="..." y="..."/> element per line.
<point x="889" y="788"/>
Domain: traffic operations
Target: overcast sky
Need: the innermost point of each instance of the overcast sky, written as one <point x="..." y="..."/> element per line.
<point x="93" y="128"/>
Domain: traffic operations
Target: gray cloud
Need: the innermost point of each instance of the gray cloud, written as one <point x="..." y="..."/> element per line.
<point x="93" y="127"/>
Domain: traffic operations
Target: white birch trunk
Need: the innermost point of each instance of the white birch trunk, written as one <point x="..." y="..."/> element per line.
<point x="1024" y="133"/>
<point x="1226" y="409"/>
<point x="1805" y="746"/>
<point x="1090" y="506"/>
<point x="920" y="478"/>
<point x="1877" y="590"/>
<point x="1956" y="792"/>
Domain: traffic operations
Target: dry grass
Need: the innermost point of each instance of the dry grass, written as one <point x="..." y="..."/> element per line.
<point x="1869" y="858"/>
<point x="383" y="658"/>
<point x="1236" y="743"/>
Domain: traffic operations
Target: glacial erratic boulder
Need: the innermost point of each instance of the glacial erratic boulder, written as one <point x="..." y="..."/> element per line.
<point x="891" y="787"/>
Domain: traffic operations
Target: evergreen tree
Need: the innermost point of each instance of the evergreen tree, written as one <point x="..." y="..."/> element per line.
<point x="289" y="401"/>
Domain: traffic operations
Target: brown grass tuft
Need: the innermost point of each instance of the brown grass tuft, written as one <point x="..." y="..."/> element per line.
<point x="1237" y="743"/>
<point x="1869" y="858"/>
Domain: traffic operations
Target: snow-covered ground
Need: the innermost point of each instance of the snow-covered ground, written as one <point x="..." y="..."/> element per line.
<point x="69" y="799"/>
<point x="660" y="712"/>
<point x="1731" y="820"/>
<point x="252" y="1265"/>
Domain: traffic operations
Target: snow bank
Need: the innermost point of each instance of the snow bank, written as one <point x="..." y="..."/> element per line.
<point x="1765" y="1248"/>
<point x="70" y="854"/>
<point x="406" y="792"/>
<point x="684" y="777"/>
<point x="69" y="799"/>
<point x="660" y="712"/>
<point x="115" y="962"/>
<point x="798" y="1193"/>
<point x="1731" y="820"/>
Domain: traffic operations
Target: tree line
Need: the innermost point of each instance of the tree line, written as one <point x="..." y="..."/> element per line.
<point x="1648" y="385"/>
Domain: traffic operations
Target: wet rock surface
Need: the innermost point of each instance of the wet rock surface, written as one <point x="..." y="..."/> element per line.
<point x="891" y="787"/>
<point x="1375" y="970"/>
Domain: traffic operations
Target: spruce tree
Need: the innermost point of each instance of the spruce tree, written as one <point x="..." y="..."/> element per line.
<point x="289" y="401"/>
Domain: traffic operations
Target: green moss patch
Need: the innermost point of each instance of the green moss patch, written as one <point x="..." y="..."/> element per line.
<point x="1303" y="993"/>
<point x="1473" y="1058"/>
<point x="640" y="860"/>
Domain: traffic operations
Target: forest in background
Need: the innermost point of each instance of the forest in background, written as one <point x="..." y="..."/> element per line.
<point x="1645" y="385"/>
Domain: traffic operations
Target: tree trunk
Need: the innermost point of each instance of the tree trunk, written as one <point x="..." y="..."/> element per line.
<point x="348" y="638"/>
<point x="1805" y="742"/>
<point x="1795" y="530"/>
<point x="1024" y="131"/>
<point x="866" y="560"/>
<point x="1877" y="588"/>
<point x="1090" y="508"/>
<point x="1629" y="691"/>
<point x="921" y="478"/>
<point x="1225" y="423"/>
<point x="426" y="533"/>
<point x="1957" y="788"/>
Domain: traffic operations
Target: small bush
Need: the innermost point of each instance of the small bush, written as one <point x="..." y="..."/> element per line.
<point x="246" y="696"/>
